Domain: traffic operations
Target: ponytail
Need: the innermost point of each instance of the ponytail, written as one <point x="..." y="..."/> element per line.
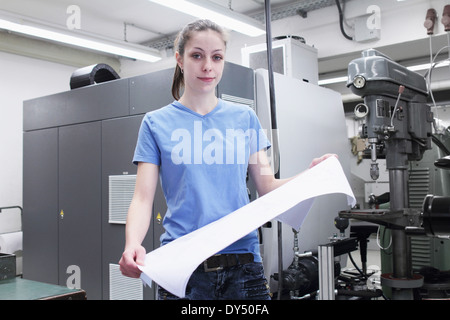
<point x="178" y="83"/>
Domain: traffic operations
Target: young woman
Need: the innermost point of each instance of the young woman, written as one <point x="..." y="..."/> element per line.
<point x="202" y="181"/>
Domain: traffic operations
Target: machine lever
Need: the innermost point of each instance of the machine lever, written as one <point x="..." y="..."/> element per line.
<point x="400" y="91"/>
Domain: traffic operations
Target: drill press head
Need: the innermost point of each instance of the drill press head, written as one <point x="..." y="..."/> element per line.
<point x="398" y="119"/>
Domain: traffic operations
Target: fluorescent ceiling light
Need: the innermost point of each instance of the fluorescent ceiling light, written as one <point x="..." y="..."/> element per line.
<point x="419" y="67"/>
<point x="82" y="40"/>
<point x="426" y="66"/>
<point x="217" y="13"/>
<point x="332" y="80"/>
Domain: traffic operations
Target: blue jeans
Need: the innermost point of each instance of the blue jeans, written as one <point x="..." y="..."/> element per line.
<point x="240" y="282"/>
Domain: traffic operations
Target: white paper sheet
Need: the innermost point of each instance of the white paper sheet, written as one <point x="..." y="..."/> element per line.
<point x="172" y="264"/>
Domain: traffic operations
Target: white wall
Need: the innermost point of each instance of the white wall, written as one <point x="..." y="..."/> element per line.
<point x="21" y="78"/>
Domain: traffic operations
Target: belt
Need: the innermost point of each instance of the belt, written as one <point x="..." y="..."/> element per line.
<point x="220" y="261"/>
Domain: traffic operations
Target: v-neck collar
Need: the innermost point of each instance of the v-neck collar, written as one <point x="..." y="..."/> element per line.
<point x="180" y="106"/>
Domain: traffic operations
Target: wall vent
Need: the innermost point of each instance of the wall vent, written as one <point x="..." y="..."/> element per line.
<point x="124" y="288"/>
<point x="121" y="190"/>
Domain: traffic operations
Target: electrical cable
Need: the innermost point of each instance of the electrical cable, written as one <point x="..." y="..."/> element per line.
<point x="356" y="266"/>
<point x="440" y="145"/>
<point x="378" y="240"/>
<point x="270" y="68"/>
<point x="341" y="21"/>
<point x="428" y="74"/>
<point x="448" y="44"/>
<point x="268" y="15"/>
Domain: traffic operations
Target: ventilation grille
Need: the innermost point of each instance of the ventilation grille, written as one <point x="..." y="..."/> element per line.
<point x="419" y="186"/>
<point x="239" y="100"/>
<point x="121" y="190"/>
<point x="123" y="288"/>
<point x="421" y="255"/>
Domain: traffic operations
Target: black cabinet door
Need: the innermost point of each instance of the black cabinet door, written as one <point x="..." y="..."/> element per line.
<point x="80" y="207"/>
<point x="40" y="205"/>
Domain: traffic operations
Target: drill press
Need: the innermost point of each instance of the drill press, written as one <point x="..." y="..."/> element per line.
<point x="398" y="128"/>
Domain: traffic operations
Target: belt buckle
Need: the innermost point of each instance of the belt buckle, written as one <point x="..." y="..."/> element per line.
<point x="208" y="269"/>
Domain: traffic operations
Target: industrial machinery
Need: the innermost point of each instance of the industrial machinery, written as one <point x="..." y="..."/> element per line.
<point x="317" y="107"/>
<point x="398" y="128"/>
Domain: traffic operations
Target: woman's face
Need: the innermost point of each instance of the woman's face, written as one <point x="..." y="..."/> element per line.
<point x="203" y="62"/>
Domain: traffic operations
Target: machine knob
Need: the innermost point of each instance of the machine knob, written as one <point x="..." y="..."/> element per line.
<point x="359" y="81"/>
<point x="446" y="17"/>
<point x="430" y="20"/>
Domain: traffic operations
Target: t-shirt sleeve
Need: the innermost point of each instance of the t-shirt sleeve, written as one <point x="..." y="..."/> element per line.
<point x="258" y="138"/>
<point x="147" y="149"/>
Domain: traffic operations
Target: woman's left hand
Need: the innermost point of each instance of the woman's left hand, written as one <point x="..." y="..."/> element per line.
<point x="316" y="161"/>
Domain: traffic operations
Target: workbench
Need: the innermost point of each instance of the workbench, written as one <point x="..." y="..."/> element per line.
<point x="23" y="289"/>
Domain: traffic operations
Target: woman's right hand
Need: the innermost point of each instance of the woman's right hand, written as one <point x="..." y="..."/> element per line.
<point x="131" y="258"/>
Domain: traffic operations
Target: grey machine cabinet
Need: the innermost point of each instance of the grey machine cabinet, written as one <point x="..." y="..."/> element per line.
<point x="75" y="145"/>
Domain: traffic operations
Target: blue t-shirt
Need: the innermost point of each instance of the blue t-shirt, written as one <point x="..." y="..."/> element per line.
<point x="203" y="163"/>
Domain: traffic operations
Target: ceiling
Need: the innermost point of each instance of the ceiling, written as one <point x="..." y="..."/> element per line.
<point x="138" y="21"/>
<point x="144" y="22"/>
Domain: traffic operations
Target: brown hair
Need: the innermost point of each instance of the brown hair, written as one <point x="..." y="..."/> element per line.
<point x="180" y="43"/>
